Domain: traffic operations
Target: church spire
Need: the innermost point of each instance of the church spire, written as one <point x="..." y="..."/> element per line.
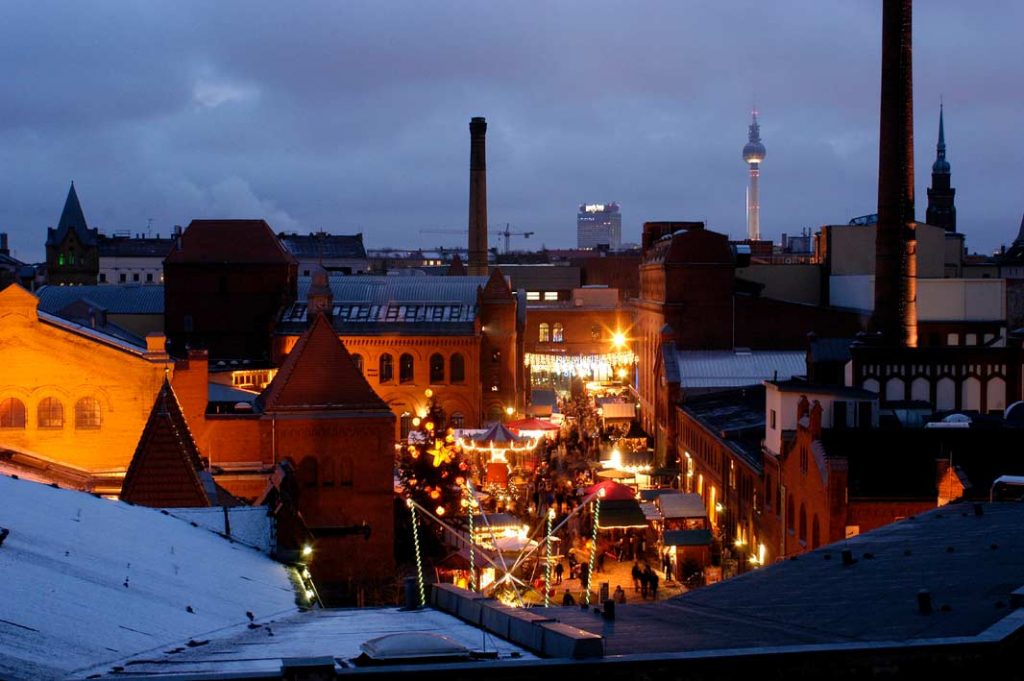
<point x="941" y="209"/>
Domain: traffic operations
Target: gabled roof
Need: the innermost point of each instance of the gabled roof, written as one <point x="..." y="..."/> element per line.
<point x="71" y="219"/>
<point x="116" y="299"/>
<point x="326" y="246"/>
<point x="139" y="247"/>
<point x="230" y="241"/>
<point x="166" y="470"/>
<point x="319" y="374"/>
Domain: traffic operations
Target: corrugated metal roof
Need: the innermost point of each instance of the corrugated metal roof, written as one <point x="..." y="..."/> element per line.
<point x="127" y="299"/>
<point x="434" y="305"/>
<point x="681" y="505"/>
<point x="382" y="290"/>
<point x="321" y="245"/>
<point x="726" y="368"/>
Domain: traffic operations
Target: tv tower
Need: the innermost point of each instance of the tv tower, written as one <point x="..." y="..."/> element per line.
<point x="753" y="154"/>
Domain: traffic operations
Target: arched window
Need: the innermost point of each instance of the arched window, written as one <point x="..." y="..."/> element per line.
<point x="12" y="413"/>
<point x="87" y="413"/>
<point x="358" y="360"/>
<point x="50" y="413"/>
<point x="595" y="332"/>
<point x="544" y="333"/>
<point x="405" y="423"/>
<point x="386" y="372"/>
<point x="405" y="368"/>
<point x="437" y="368"/>
<point x="307" y="472"/>
<point x="457" y="420"/>
<point x="458" y="368"/>
<point x="803" y="523"/>
<point x="557" y="333"/>
<point x="815" y="533"/>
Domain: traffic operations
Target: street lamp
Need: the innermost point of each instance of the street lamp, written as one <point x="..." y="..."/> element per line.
<point x="618" y="339"/>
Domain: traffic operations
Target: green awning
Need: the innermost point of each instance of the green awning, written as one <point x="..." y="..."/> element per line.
<point x="621" y="515"/>
<point x="687" y="538"/>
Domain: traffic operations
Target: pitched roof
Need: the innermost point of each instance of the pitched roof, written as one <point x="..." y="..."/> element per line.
<point x="319" y="374"/>
<point x="116" y="299"/>
<point x="230" y="241"/>
<point x="729" y="369"/>
<point x="370" y="305"/>
<point x="166" y="470"/>
<point x="139" y="247"/>
<point x="326" y="246"/>
<point x="71" y="219"/>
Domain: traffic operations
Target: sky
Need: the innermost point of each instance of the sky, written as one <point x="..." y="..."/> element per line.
<point x="352" y="116"/>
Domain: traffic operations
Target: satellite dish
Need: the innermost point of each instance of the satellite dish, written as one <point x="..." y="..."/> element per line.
<point x="957" y="418"/>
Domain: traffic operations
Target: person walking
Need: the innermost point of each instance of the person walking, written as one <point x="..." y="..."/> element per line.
<point x="654" y="585"/>
<point x="645" y="581"/>
<point x="619" y="595"/>
<point x="635" y="572"/>
<point x="559" y="571"/>
<point x="567" y="599"/>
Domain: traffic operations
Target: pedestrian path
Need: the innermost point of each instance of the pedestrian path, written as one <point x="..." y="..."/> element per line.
<point x="615" y="573"/>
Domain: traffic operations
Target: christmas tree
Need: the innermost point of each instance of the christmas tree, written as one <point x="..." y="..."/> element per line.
<point x="430" y="468"/>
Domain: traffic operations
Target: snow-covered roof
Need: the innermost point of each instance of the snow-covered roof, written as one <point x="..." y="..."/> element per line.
<point x="87" y="582"/>
<point x="317" y="634"/>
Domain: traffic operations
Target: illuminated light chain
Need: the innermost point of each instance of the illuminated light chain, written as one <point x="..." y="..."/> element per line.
<point x="419" y="557"/>
<point x="593" y="550"/>
<point x="547" y="561"/>
<point x="472" y="556"/>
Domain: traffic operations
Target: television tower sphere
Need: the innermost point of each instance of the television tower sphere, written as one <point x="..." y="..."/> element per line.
<point x="754" y="151"/>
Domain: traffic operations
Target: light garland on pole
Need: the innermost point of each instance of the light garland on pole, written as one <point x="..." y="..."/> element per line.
<point x="472" y="541"/>
<point x="593" y="546"/>
<point x="547" y="560"/>
<point x="419" y="557"/>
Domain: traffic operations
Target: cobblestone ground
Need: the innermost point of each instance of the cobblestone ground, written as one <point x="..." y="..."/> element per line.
<point x="615" y="573"/>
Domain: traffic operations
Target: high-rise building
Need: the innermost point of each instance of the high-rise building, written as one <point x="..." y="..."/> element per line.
<point x="599" y="225"/>
<point x="753" y="154"/>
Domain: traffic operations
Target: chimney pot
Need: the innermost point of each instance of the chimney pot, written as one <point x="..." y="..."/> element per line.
<point x="848" y="557"/>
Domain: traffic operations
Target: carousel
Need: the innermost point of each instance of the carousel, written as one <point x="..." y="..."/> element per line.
<point x="499" y="452"/>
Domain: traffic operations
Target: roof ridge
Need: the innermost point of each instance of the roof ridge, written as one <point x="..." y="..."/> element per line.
<point x="149" y="461"/>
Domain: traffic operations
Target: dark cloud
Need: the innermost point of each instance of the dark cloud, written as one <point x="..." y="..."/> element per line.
<point x="353" y="115"/>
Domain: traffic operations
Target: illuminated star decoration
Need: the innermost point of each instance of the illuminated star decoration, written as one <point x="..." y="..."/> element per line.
<point x="441" y="454"/>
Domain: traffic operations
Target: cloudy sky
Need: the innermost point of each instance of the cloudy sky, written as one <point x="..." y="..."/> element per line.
<point x="353" y="116"/>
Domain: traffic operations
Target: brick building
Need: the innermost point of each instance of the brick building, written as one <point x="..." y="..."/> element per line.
<point x="72" y="256"/>
<point x="586" y="337"/>
<point x="225" y="285"/>
<point x="73" y="398"/>
<point x="458" y="337"/>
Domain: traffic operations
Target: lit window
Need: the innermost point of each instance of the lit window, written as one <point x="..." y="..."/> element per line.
<point x="544" y="333"/>
<point x="12" y="413"/>
<point x="458" y="420"/>
<point x="533" y="295"/>
<point x="557" y="334"/>
<point x="50" y="413"/>
<point x="551" y="295"/>
<point x="358" y="360"/>
<point x="87" y="414"/>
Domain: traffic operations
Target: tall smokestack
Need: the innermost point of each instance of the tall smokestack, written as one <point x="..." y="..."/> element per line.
<point x="895" y="315"/>
<point x="477" y="197"/>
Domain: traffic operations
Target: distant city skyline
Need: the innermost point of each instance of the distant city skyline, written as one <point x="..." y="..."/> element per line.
<point x="338" y="117"/>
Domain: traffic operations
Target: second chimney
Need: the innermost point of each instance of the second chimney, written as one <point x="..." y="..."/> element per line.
<point x="477" y="197"/>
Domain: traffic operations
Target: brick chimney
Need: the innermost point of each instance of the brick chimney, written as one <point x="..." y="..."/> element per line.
<point x="4" y="250"/>
<point x="815" y="425"/>
<point x="477" y="197"/>
<point x="895" y="314"/>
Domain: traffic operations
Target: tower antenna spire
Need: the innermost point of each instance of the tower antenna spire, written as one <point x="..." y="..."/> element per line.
<point x="753" y="154"/>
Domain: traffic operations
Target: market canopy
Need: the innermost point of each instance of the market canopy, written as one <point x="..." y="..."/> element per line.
<point x="687" y="538"/>
<point x="613" y="474"/>
<point x="613" y="491"/>
<point x="682" y="505"/>
<point x="531" y="425"/>
<point x="622" y="514"/>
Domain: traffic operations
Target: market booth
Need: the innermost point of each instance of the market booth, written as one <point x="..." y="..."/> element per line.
<point x="686" y="532"/>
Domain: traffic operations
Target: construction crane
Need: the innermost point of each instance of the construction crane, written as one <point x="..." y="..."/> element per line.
<point x="507" y="233"/>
